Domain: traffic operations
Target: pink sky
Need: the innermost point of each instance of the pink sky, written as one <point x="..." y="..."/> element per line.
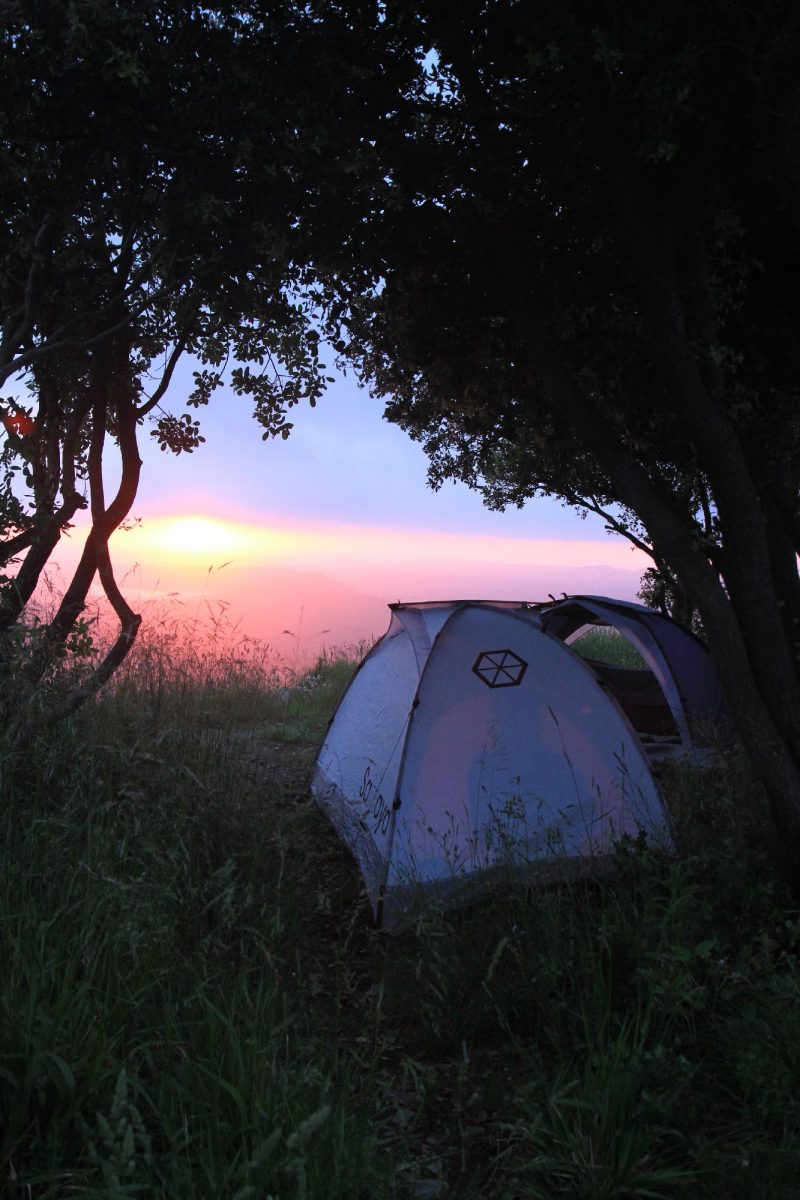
<point x="319" y="533"/>
<point x="329" y="583"/>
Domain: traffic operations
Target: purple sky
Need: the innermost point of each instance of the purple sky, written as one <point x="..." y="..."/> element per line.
<point x="322" y="530"/>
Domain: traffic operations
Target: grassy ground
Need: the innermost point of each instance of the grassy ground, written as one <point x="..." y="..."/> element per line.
<point x="608" y="646"/>
<point x="195" y="1004"/>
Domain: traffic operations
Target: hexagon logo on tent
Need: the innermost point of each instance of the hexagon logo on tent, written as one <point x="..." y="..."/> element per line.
<point x="500" y="668"/>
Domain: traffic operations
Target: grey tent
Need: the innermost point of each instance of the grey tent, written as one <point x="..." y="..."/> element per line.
<point x="474" y="742"/>
<point x="675" y="704"/>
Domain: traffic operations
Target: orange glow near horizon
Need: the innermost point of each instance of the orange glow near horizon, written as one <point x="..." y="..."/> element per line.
<point x="204" y="540"/>
<point x="197" y="537"/>
<point x="330" y="583"/>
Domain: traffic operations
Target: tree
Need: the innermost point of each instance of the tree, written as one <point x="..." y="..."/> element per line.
<point x="585" y="283"/>
<point x="503" y="460"/>
<point x="166" y="168"/>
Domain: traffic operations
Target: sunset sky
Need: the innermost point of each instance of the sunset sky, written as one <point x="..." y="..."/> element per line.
<point x="318" y="533"/>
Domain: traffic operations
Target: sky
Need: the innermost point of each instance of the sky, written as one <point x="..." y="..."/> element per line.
<point x="303" y="542"/>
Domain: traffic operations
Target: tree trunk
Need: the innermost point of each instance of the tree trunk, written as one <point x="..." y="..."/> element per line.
<point x="94" y="559"/>
<point x="740" y="662"/>
<point x="745" y="663"/>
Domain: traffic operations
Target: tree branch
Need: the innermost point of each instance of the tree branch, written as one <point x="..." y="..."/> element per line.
<point x="613" y="525"/>
<point x="177" y="350"/>
<point x="101" y="674"/>
<point x="43" y="541"/>
<point x="15" y="336"/>
<point x="59" y="340"/>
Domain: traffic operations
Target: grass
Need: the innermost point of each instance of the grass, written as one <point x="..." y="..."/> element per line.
<point x="607" y="645"/>
<point x="195" y="1003"/>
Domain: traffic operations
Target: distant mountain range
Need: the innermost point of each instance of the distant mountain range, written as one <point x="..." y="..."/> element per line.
<point x="300" y="612"/>
<point x="297" y="612"/>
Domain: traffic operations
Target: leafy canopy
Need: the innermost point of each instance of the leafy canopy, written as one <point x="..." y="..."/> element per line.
<point x="169" y="174"/>
<point x="588" y="245"/>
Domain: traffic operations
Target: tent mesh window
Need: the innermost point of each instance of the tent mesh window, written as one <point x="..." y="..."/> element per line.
<point x="623" y="671"/>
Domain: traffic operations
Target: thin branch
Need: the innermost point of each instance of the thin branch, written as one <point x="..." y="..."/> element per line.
<point x="177" y="350"/>
<point x="70" y="449"/>
<point x="95" y="458"/>
<point x="613" y="524"/>
<point x="46" y="348"/>
<point x="9" y="547"/>
<point x="41" y="545"/>
<point x="110" y="587"/>
<point x="59" y="339"/>
<point x="25" y="725"/>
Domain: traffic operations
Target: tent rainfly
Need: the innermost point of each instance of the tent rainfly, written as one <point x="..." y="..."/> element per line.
<point x="473" y="742"/>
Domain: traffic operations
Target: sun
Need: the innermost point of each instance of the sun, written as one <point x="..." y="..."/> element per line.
<point x="200" y="541"/>
<point x="196" y="537"/>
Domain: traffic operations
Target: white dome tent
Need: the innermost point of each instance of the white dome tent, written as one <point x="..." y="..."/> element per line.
<point x="473" y="742"/>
